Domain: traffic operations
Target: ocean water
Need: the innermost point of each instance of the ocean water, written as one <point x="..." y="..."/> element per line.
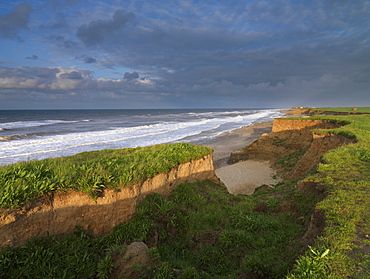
<point x="39" y="134"/>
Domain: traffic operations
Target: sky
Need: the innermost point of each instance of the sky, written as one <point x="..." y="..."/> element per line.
<point x="82" y="54"/>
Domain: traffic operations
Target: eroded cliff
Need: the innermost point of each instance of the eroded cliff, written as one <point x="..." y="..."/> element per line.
<point x="293" y="149"/>
<point x="290" y="136"/>
<point x="61" y="212"/>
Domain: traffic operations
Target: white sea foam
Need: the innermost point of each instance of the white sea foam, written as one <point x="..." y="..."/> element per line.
<point x="27" y="124"/>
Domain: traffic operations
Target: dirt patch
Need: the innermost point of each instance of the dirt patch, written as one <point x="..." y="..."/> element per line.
<point x="125" y="262"/>
<point x="315" y="228"/>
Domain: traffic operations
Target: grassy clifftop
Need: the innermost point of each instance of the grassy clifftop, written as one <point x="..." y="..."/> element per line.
<point x="347" y="110"/>
<point x="91" y="172"/>
<point x="343" y="250"/>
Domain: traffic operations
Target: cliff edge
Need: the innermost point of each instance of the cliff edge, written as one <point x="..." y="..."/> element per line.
<point x="61" y="212"/>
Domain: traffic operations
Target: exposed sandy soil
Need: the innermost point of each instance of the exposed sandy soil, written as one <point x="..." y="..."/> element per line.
<point x="242" y="177"/>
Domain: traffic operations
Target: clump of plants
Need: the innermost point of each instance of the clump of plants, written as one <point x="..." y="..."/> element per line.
<point x="287" y="162"/>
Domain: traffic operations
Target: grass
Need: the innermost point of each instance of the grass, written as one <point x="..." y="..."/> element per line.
<point x="91" y="172"/>
<point x="344" y="109"/>
<point x="345" y="172"/>
<point x="200" y="229"/>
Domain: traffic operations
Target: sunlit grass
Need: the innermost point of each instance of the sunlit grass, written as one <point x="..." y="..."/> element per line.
<point x="345" y="173"/>
<point x="345" y="109"/>
<point x="91" y="172"/>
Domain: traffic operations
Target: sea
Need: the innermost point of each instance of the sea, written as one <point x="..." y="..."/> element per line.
<point x="27" y="135"/>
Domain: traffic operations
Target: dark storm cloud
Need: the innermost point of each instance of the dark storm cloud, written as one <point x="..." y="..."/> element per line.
<point x="12" y="23"/>
<point x="95" y="32"/>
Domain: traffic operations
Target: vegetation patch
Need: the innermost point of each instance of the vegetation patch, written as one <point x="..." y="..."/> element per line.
<point x="343" y="250"/>
<point x="344" y="109"/>
<point x="287" y="163"/>
<point x="279" y="142"/>
<point x="200" y="230"/>
<point x="91" y="172"/>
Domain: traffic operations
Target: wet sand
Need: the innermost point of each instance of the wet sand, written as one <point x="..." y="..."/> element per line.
<point x="242" y="177"/>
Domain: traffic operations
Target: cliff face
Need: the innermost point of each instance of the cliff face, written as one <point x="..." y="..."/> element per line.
<point x="61" y="212"/>
<point x="325" y="112"/>
<point x="301" y="125"/>
<point x="289" y="136"/>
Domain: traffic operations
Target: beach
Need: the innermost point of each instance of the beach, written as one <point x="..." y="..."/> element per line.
<point x="228" y="142"/>
<point x="242" y="177"/>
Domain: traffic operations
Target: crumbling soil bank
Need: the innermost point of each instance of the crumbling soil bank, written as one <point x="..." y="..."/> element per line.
<point x="61" y="212"/>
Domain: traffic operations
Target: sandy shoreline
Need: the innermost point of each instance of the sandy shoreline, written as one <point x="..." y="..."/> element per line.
<point x="242" y="177"/>
<point x="236" y="139"/>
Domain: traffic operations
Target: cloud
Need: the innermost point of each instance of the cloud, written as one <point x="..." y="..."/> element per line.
<point x="33" y="57"/>
<point x="200" y="53"/>
<point x="12" y="23"/>
<point x="95" y="32"/>
<point x="71" y="75"/>
<point x="57" y="78"/>
<point x="90" y="60"/>
<point x="63" y="42"/>
<point x="131" y="76"/>
<point x="86" y="59"/>
<point x="41" y="77"/>
<point x="59" y="23"/>
<point x="78" y="86"/>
